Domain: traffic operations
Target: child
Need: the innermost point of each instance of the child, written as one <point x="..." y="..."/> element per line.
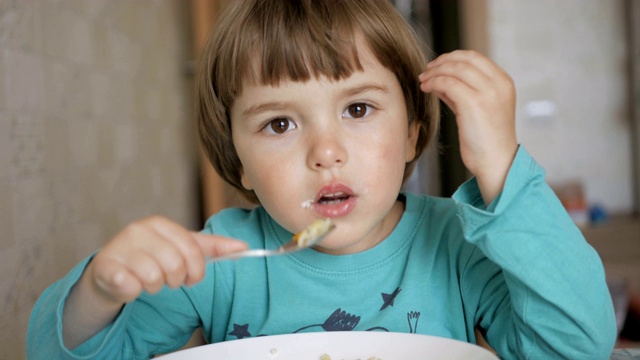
<point x="330" y="103"/>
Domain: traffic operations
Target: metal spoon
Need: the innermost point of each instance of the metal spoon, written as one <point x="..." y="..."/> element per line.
<point x="308" y="237"/>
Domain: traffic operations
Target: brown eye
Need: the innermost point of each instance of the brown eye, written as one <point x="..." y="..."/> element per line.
<point x="280" y="126"/>
<point x="357" y="110"/>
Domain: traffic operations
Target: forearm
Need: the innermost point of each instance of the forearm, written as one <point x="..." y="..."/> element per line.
<point x="45" y="335"/>
<point x="556" y="299"/>
<point x="86" y="312"/>
<point x="492" y="178"/>
<point x="557" y="295"/>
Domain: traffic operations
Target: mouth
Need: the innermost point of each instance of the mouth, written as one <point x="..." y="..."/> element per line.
<point x="334" y="200"/>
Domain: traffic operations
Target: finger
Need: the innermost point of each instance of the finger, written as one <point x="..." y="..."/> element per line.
<point x="182" y="240"/>
<point x="145" y="244"/>
<point x="147" y="270"/>
<point x="460" y="70"/>
<point x="171" y="262"/>
<point x="483" y="63"/>
<point x="114" y="281"/>
<point x="214" y="245"/>
<point x="445" y="99"/>
<point x="450" y="90"/>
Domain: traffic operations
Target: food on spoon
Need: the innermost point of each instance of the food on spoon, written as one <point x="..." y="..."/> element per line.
<point x="317" y="228"/>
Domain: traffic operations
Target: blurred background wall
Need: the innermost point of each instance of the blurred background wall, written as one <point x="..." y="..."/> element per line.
<point x="96" y="124"/>
<point x="96" y="131"/>
<point x="569" y="60"/>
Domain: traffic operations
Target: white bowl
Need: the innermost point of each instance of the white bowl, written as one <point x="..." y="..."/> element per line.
<point x="338" y="345"/>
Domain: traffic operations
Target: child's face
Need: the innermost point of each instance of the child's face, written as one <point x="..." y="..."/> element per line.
<point x="342" y="144"/>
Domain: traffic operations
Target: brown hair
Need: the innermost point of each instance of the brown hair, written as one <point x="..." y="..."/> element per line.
<point x="265" y="41"/>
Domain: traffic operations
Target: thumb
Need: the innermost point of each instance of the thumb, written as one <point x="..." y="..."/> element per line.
<point x="215" y="245"/>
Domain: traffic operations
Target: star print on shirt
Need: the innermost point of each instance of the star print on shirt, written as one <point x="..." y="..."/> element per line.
<point x="388" y="299"/>
<point x="240" y="331"/>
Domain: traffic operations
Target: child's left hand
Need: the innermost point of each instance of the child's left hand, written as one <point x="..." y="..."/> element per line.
<point x="482" y="96"/>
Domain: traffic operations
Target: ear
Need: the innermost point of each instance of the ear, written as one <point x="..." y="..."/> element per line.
<point x="245" y="182"/>
<point x="412" y="140"/>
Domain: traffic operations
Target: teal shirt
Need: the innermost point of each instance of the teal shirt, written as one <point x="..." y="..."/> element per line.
<point x="519" y="270"/>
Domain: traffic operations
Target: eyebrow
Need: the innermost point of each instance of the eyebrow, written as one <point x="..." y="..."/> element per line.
<point x="259" y="108"/>
<point x="278" y="106"/>
<point x="364" y="88"/>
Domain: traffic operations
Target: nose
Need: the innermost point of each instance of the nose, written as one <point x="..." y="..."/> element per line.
<point x="326" y="150"/>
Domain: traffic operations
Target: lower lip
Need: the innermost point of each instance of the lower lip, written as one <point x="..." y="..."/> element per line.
<point x="340" y="209"/>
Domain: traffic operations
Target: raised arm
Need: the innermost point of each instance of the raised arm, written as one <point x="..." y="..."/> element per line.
<point x="482" y="96"/>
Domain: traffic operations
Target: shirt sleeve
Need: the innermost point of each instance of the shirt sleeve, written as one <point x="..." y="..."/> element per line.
<point x="533" y="286"/>
<point x="152" y="324"/>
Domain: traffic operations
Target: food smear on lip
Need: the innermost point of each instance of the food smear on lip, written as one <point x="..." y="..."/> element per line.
<point x="317" y="228"/>
<point x="307" y="204"/>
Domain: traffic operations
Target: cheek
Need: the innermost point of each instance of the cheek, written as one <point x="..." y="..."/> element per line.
<point x="270" y="178"/>
<point x="277" y="186"/>
<point x="392" y="148"/>
<point x="386" y="159"/>
<point x="267" y="167"/>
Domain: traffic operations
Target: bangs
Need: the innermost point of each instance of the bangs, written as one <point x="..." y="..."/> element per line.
<point x="297" y="42"/>
<point x="266" y="42"/>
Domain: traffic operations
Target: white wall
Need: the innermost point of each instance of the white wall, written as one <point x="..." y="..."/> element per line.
<point x="572" y="53"/>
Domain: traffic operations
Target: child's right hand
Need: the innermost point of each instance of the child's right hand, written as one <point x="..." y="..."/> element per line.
<point x="146" y="255"/>
<point x="151" y="253"/>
